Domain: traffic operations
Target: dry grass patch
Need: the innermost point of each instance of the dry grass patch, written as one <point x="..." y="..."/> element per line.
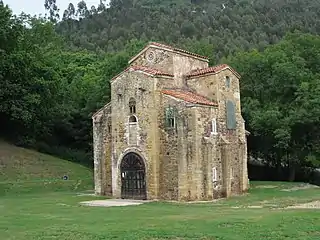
<point x="299" y="187"/>
<point x="312" y="205"/>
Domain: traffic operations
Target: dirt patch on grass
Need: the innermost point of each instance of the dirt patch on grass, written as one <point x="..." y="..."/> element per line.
<point x="300" y="187"/>
<point x="314" y="205"/>
<point x="266" y="186"/>
<point x="252" y="207"/>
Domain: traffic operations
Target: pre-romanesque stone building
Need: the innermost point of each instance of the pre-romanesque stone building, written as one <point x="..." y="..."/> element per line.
<point x="173" y="130"/>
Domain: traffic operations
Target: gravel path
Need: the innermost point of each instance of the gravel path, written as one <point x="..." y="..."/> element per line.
<point x="112" y="203"/>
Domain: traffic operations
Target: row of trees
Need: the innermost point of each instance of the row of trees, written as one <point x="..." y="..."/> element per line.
<point x="48" y="92"/>
<point x="228" y="25"/>
<point x="280" y="90"/>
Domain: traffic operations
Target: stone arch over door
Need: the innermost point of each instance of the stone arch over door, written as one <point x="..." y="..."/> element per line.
<point x="133" y="177"/>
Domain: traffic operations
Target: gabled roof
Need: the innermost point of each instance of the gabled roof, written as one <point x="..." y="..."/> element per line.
<point x="188" y="96"/>
<point x="214" y="69"/>
<point x="168" y="48"/>
<point x="146" y="70"/>
<point x="101" y="109"/>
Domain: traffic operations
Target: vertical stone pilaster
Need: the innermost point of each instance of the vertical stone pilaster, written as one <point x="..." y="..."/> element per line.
<point x="225" y="155"/>
<point x="97" y="154"/>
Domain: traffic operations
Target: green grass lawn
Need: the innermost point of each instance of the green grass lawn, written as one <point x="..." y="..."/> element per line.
<point x="54" y="212"/>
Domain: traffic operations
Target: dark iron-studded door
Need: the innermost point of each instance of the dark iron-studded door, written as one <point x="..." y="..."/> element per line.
<point x="133" y="183"/>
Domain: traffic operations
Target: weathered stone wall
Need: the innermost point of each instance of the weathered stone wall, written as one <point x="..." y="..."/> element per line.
<point x="236" y="172"/>
<point x="204" y="85"/>
<point x="157" y="59"/>
<point x="170" y="152"/>
<point x="188" y="154"/>
<point x="108" y="153"/>
<point x="140" y="87"/>
<point x="102" y="149"/>
<point x="209" y="155"/>
<point x="183" y="65"/>
<point x="232" y="143"/>
<point x="175" y="63"/>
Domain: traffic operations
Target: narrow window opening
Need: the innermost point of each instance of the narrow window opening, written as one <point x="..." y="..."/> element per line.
<point x="228" y="82"/>
<point x="170" y="118"/>
<point x="171" y="122"/>
<point x="214" y="174"/>
<point x="109" y="124"/>
<point x="119" y="97"/>
<point x="214" y="126"/>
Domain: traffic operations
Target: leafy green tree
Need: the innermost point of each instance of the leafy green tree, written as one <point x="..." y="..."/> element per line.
<point x="280" y="96"/>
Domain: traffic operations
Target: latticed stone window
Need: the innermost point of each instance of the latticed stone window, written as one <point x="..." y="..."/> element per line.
<point x="170" y="117"/>
<point x="231" y="115"/>
<point x="132" y="106"/>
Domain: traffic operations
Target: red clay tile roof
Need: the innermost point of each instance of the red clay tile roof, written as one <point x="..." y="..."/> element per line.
<point x="214" y="69"/>
<point x="154" y="72"/>
<point x="188" y="96"/>
<point x="167" y="47"/>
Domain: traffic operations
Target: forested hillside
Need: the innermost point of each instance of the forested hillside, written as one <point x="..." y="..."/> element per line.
<point x="55" y="71"/>
<point x="226" y="25"/>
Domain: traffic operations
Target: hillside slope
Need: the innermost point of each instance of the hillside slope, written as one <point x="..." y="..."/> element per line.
<point x="23" y="170"/>
<point x="228" y="25"/>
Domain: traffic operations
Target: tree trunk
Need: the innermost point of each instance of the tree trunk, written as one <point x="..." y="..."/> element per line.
<point x="279" y="173"/>
<point x="292" y="172"/>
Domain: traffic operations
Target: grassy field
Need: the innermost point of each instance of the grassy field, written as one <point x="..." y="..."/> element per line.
<point x="55" y="213"/>
<point x="23" y="171"/>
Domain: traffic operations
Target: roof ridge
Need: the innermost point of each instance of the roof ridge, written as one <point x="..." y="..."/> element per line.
<point x="149" y="70"/>
<point x="212" y="69"/>
<point x="177" y="49"/>
<point x="189" y="96"/>
<point x="172" y="48"/>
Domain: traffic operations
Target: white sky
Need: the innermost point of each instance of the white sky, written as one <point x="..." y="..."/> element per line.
<point x="36" y="7"/>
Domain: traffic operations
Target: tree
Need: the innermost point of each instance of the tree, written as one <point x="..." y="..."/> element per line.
<point x="278" y="103"/>
<point x="52" y="8"/>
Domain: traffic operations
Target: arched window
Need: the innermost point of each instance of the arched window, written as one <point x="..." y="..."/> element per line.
<point x="170" y="117"/>
<point x="133" y="130"/>
<point x="132" y="106"/>
<point x="228" y="82"/>
<point x="132" y="119"/>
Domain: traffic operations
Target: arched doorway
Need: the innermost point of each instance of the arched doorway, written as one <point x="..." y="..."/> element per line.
<point x="133" y="182"/>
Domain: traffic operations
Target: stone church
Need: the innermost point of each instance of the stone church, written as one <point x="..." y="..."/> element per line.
<point x="172" y="131"/>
